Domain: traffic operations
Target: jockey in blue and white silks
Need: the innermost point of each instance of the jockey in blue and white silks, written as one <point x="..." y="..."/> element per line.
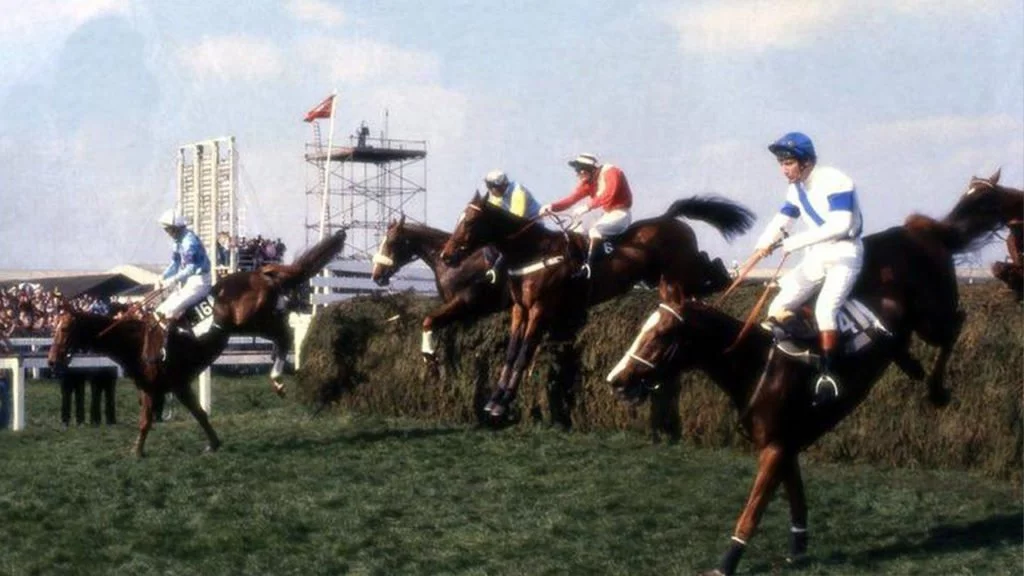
<point x="826" y="200"/>
<point x="188" y="275"/>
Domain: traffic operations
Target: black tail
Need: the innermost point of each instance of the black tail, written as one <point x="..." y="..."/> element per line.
<point x="730" y="218"/>
<point x="311" y="261"/>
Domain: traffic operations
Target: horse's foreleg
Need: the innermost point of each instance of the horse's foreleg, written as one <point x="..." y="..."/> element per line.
<point x="438" y="319"/>
<point x="282" y="340"/>
<point x="188" y="399"/>
<point x="794" y="486"/>
<point x="769" y="473"/>
<point x="145" y="423"/>
<point x="511" y="353"/>
<point x="938" y="394"/>
<point x="522" y="361"/>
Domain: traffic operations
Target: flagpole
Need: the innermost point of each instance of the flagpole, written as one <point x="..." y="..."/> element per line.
<point x="327" y="169"/>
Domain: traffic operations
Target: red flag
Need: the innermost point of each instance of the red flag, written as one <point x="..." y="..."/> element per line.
<point x="321" y="110"/>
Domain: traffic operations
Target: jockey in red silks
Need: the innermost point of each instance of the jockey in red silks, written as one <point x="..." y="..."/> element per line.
<point x="608" y="190"/>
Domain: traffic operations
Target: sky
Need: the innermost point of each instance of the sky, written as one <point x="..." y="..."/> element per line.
<point x="909" y="98"/>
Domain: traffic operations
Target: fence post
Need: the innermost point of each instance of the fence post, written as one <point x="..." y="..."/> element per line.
<point x="17" y="391"/>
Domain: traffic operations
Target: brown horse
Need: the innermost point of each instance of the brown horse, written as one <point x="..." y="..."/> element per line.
<point x="908" y="280"/>
<point x="254" y="303"/>
<point x="464" y="291"/>
<point x="134" y="344"/>
<point x="1007" y="206"/>
<point x="546" y="298"/>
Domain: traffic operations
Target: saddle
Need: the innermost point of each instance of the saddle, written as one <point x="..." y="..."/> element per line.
<point x="797" y="336"/>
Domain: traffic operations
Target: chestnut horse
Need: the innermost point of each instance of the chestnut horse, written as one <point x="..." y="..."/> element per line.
<point x="253" y="303"/>
<point x="135" y="345"/>
<point x="908" y="279"/>
<point x="464" y="291"/>
<point x="546" y="298"/>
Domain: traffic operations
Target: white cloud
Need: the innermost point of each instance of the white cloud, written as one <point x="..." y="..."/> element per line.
<point x="365" y="61"/>
<point x="26" y="19"/>
<point x="233" y="57"/>
<point x="315" y="11"/>
<point x="762" y="25"/>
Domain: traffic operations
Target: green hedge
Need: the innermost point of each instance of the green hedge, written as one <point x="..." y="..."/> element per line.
<point x="364" y="355"/>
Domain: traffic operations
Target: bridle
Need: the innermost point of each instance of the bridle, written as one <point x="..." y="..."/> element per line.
<point x="672" y="349"/>
<point x="529" y="223"/>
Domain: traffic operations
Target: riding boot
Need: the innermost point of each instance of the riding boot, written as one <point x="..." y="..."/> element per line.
<point x="592" y="248"/>
<point x="826" y="389"/>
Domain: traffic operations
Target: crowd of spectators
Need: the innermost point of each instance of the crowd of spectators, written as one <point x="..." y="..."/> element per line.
<point x="28" y="309"/>
<point x="252" y="252"/>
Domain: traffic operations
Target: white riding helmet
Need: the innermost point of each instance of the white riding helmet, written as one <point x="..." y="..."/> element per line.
<point x="171" y="219"/>
<point x="585" y="162"/>
<point x="496" y="179"/>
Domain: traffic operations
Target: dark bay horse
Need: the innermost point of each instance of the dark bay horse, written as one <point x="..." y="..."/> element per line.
<point x="135" y="345"/>
<point x="659" y="251"/>
<point x="1007" y="206"/>
<point x="463" y="290"/>
<point x="908" y="280"/>
<point x="254" y="303"/>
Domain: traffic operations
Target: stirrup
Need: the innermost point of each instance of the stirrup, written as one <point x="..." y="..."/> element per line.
<point x="583" y="272"/>
<point x="826" y="389"/>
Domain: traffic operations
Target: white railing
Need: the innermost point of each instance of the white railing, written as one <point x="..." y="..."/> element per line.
<point x="30" y="354"/>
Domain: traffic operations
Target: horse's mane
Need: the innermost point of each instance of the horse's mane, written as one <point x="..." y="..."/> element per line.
<point x="430" y="232"/>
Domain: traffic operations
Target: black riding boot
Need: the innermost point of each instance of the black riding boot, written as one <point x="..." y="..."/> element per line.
<point x="585" y="270"/>
<point x="826" y="389"/>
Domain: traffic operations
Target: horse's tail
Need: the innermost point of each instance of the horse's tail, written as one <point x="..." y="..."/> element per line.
<point x="730" y="218"/>
<point x="956" y="235"/>
<point x="309" y="262"/>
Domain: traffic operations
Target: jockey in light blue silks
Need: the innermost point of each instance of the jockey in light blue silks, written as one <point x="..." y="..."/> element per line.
<point x="512" y="197"/>
<point x="188" y="275"/>
<point x="826" y="200"/>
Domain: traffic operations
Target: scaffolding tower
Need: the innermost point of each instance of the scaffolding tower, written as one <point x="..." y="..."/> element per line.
<point x="373" y="180"/>
<point x="207" y="174"/>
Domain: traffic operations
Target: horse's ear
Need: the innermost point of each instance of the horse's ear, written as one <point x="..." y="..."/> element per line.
<point x="476" y="197"/>
<point x="671" y="294"/>
<point x="994" y="179"/>
<point x="401" y="220"/>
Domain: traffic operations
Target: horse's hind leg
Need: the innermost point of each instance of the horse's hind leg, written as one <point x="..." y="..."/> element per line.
<point x="437" y="319"/>
<point x="188" y="400"/>
<point x="282" y="340"/>
<point x="527" y="350"/>
<point x="938" y="394"/>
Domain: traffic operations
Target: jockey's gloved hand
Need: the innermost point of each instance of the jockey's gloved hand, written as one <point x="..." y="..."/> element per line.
<point x="545" y="210"/>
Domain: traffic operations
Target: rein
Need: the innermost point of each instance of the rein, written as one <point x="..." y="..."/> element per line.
<point x="131" y="311"/>
<point x="756" y="310"/>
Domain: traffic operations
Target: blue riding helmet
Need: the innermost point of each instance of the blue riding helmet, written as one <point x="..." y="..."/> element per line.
<point x="794" y="145"/>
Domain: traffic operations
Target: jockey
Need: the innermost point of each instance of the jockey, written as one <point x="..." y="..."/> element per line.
<point x="607" y="188"/>
<point x="188" y="273"/>
<point x="827" y="201"/>
<point x="512" y="197"/>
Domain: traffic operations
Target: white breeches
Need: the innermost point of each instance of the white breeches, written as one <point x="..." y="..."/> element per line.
<point x="835" y="267"/>
<point x="193" y="290"/>
<point x="611" y="223"/>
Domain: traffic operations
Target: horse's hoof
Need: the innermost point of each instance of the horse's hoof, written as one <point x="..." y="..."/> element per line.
<point x="489" y="406"/>
<point x="279" y="389"/>
<point x="211" y="448"/>
<point x="497" y="410"/>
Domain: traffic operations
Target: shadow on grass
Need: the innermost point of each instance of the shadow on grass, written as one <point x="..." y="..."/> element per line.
<point x="992" y="532"/>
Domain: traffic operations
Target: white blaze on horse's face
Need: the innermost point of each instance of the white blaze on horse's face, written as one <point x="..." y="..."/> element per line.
<point x="380" y="259"/>
<point x="649" y="325"/>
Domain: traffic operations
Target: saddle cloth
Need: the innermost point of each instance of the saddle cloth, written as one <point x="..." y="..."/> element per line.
<point x="858" y="326"/>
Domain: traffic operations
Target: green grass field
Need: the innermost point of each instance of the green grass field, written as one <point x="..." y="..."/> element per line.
<point x="355" y="494"/>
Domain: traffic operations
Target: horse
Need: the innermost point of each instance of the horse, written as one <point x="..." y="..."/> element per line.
<point x="135" y="344"/>
<point x="463" y="290"/>
<point x="546" y="298"/>
<point x="1007" y="206"/>
<point x="253" y="303"/>
<point x="908" y="280"/>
